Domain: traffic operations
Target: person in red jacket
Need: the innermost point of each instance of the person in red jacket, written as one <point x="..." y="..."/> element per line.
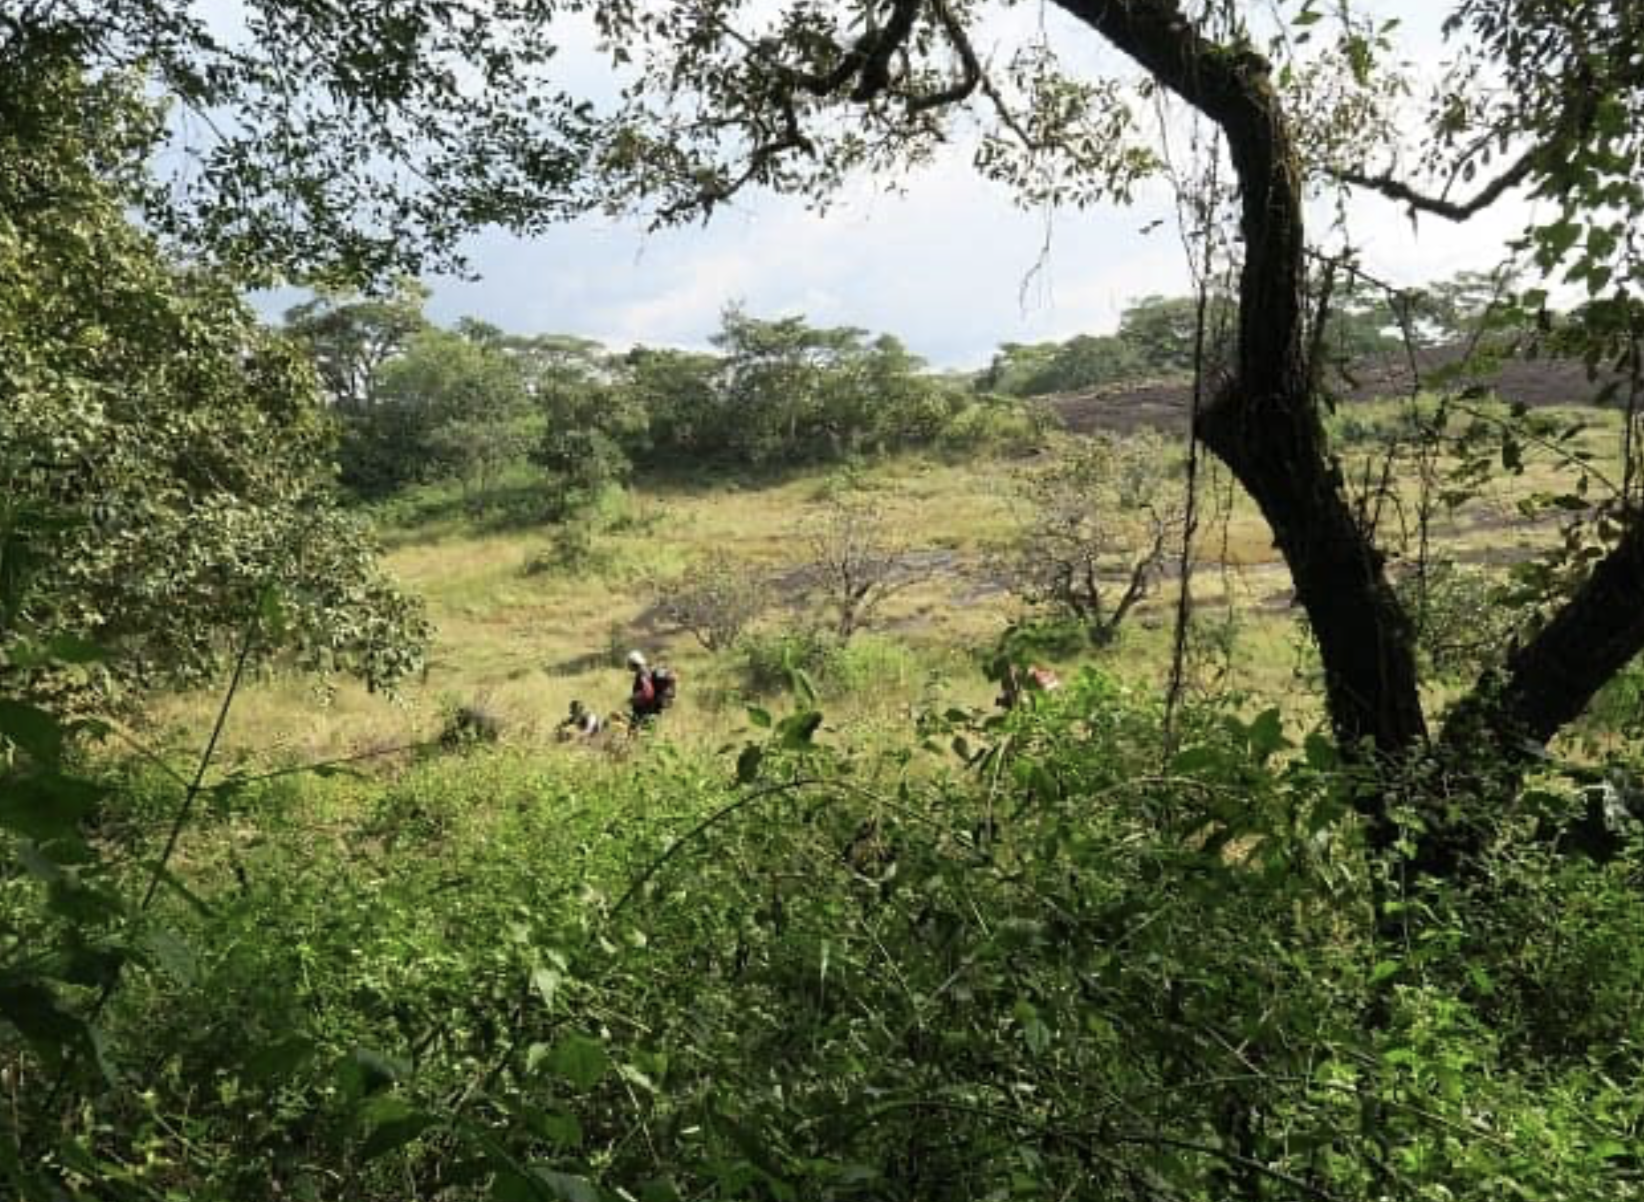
<point x="653" y="688"/>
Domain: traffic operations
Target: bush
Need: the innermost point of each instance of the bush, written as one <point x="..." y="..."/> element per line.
<point x="998" y="426"/>
<point x="572" y="549"/>
<point x="1014" y="949"/>
<point x="715" y="600"/>
<point x="1461" y="626"/>
<point x="769" y="660"/>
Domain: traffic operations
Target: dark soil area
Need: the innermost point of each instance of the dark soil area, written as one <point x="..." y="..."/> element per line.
<point x="1164" y="405"/>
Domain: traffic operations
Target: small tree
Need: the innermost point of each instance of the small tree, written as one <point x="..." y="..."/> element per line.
<point x="447" y="408"/>
<point x="716" y="599"/>
<point x="590" y="424"/>
<point x="857" y="564"/>
<point x="1101" y="516"/>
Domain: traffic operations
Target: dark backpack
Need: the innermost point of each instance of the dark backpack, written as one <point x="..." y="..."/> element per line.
<point x="666" y="684"/>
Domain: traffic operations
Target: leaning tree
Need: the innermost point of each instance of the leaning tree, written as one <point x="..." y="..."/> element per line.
<point x="1547" y="97"/>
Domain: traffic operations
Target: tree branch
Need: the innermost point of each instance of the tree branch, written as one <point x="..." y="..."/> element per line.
<point x="1396" y="189"/>
<point x="1550" y="680"/>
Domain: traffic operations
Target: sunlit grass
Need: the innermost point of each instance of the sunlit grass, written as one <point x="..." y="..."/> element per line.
<point x="521" y="637"/>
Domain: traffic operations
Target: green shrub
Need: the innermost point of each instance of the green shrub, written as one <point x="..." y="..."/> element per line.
<point x="998" y="426"/>
<point x="770" y="658"/>
<point x="573" y="549"/>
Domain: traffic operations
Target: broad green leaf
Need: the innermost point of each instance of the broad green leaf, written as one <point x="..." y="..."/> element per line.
<point x="172" y="954"/>
<point x="275" y="1062"/>
<point x="46" y="806"/>
<point x="364" y="1071"/>
<point x="546" y="981"/>
<point x="391" y="1123"/>
<point x="38" y="733"/>
<point x="579" y="1060"/>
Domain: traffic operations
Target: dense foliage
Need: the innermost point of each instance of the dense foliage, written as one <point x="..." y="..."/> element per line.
<point x="420" y="404"/>
<point x="163" y="459"/>
<point x="1064" y="949"/>
<point x="1023" y="956"/>
<point x="331" y="141"/>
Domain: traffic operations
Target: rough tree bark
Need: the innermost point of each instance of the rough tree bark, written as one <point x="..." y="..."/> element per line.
<point x="1263" y="422"/>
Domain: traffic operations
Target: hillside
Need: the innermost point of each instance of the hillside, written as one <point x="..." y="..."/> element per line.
<point x="1164" y="404"/>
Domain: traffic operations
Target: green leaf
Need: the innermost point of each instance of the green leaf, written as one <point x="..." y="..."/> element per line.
<point x="59" y="649"/>
<point x="277" y="1061"/>
<point x="566" y="1187"/>
<point x="38" y="733"/>
<point x="1320" y="752"/>
<point x="1266" y="734"/>
<point x="546" y="981"/>
<point x="510" y="1185"/>
<point x="561" y="1128"/>
<point x="797" y="730"/>
<point x="759" y="717"/>
<point x="747" y="764"/>
<point x="172" y="955"/>
<point x="363" y="1072"/>
<point x="392" y="1124"/>
<point x="46" y="806"/>
<point x="579" y="1060"/>
<point x="52" y="1030"/>
<point x="1193" y="760"/>
<point x="1034" y="1031"/>
<point x="538" y="1184"/>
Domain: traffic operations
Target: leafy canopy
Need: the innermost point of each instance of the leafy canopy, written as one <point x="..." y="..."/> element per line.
<point x="162" y="457"/>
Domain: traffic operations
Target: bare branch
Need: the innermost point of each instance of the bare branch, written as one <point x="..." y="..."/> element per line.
<point x="1396" y="189"/>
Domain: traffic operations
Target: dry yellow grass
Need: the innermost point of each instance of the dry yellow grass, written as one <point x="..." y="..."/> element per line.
<point x="524" y="644"/>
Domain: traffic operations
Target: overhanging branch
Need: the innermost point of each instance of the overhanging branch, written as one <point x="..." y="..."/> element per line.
<point x="1394" y="188"/>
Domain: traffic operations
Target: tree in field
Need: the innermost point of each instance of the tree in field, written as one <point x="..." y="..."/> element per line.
<point x="1083" y="361"/>
<point x="353" y="338"/>
<point x="795" y="98"/>
<point x="592" y="423"/>
<point x="856" y="563"/>
<point x="447" y="408"/>
<point x="716" y="600"/>
<point x="164" y="459"/>
<point x="1161" y="332"/>
<point x="676" y="390"/>
<point x="1100" y="519"/>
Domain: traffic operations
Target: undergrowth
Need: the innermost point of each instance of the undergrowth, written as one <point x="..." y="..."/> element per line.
<point x="1015" y="955"/>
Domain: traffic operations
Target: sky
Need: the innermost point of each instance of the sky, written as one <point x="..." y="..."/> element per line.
<point x="949" y="264"/>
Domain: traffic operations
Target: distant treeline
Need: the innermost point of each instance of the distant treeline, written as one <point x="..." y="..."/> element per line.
<point x="1158" y="336"/>
<point x="418" y="403"/>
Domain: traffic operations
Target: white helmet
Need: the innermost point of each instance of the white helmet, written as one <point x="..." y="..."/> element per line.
<point x="636" y="659"/>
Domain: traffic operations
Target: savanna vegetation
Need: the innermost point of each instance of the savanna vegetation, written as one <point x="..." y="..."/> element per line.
<point x="1314" y="871"/>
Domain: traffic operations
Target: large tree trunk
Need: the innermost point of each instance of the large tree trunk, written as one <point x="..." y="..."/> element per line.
<point x="1550" y="680"/>
<point x="1264" y="423"/>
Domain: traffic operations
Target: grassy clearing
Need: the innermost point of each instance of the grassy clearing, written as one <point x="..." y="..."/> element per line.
<point x="522" y="642"/>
